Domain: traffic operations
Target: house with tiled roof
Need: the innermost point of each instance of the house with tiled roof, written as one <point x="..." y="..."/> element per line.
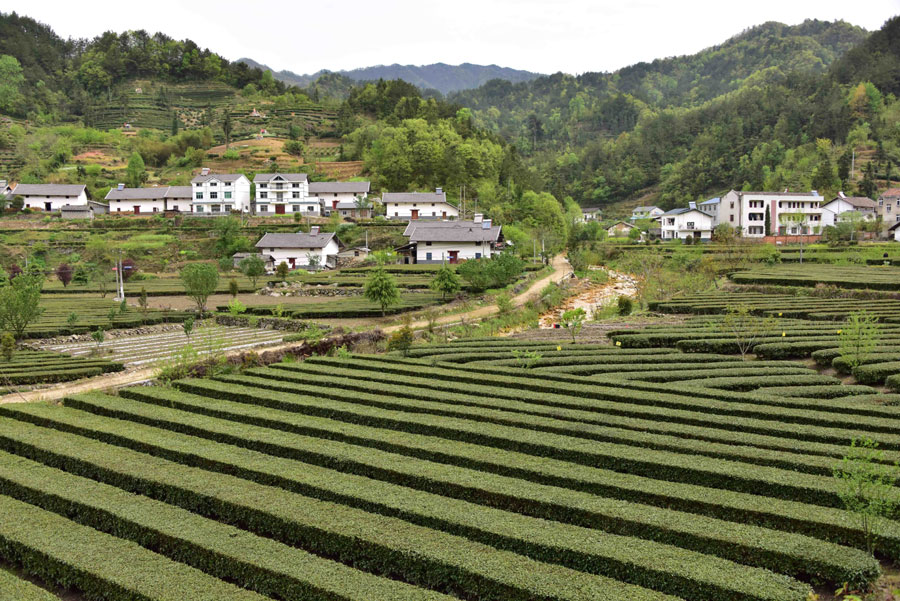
<point x="646" y="212"/>
<point x="342" y="197"/>
<point x="889" y="205"/>
<point x="220" y="193"/>
<point x="833" y="210"/>
<point x="314" y="250"/>
<point x="283" y="193"/>
<point x="50" y="197"/>
<point x="451" y="241"/>
<point x="686" y="222"/>
<point x="411" y="206"/>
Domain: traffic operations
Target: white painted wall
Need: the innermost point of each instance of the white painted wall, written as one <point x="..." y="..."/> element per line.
<point x="299" y="254"/>
<point x="178" y="204"/>
<point x="56" y="202"/>
<point x="684" y="225"/>
<point x="755" y="206"/>
<point x="127" y="206"/>
<point x="427" y="210"/>
<point x="440" y="251"/>
<point x="239" y="192"/>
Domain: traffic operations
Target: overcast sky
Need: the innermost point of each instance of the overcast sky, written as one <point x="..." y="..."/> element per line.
<point x="546" y="36"/>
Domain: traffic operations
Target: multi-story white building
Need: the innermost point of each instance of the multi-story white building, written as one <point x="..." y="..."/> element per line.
<point x="452" y="241"/>
<point x="50" y="197"/>
<point x="220" y="193"/>
<point x="281" y="193"/>
<point x="297" y="249"/>
<point x="790" y="213"/>
<point x="688" y="222"/>
<point x="889" y="206"/>
<point x="418" y="205"/>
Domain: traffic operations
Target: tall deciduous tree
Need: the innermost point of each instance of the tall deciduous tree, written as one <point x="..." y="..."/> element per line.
<point x="199" y="280"/>
<point x="64" y="273"/>
<point x="381" y="289"/>
<point x="253" y="267"/>
<point x="20" y="304"/>
<point x="445" y="281"/>
<point x="11" y="78"/>
<point x="136" y="172"/>
<point x="227" y="127"/>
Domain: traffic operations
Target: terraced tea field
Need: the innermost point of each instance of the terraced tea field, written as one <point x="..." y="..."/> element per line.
<point x="37" y="367"/>
<point x="344" y="307"/>
<point x="455" y="473"/>
<point x="147" y="350"/>
<point x="855" y="276"/>
<point x="90" y="314"/>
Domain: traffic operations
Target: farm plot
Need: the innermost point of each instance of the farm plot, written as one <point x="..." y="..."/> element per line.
<point x="856" y="276"/>
<point x="160" y="286"/>
<point x="37" y="367"/>
<point x="381" y="477"/>
<point x="90" y="314"/>
<point x="144" y="350"/>
<point x="344" y="307"/>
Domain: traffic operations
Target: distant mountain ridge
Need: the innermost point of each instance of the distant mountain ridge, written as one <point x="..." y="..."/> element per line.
<point x="438" y="76"/>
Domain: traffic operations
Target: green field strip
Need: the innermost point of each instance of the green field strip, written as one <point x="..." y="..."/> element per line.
<point x="101" y="566"/>
<point x="658" y="433"/>
<point x="368" y="541"/>
<point x="13" y="588"/>
<point x="260" y="564"/>
<point x="512" y="531"/>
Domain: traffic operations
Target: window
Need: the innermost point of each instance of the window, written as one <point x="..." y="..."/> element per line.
<point x="227" y="195"/>
<point x="213" y="195"/>
<point x="295" y="195"/>
<point x="156" y="209"/>
<point x="477" y="255"/>
<point x="264" y="185"/>
<point x="311" y="208"/>
<point x="427" y="256"/>
<point x="199" y="195"/>
<point x="295" y="185"/>
<point x="213" y="184"/>
<point x="428" y="244"/>
<point x="198" y="209"/>
<point x="690" y="225"/>
<point x="263" y="208"/>
<point x="227" y="184"/>
<point x="279" y="196"/>
<point x="295" y="208"/>
<point x="263" y="194"/>
<point x="215" y="208"/>
<point x="395" y="213"/>
<point x="731" y="218"/>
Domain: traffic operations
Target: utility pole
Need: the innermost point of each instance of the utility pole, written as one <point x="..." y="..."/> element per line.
<point x="852" y="162"/>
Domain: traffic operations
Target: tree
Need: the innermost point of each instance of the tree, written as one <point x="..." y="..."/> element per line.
<point x="18" y="202"/>
<point x="228" y="237"/>
<point x="253" y="267"/>
<point x="858" y="337"/>
<point x="767" y="224"/>
<point x="174" y="123"/>
<point x="188" y="326"/>
<point x="868" y="186"/>
<point x="381" y="289"/>
<point x="64" y="273"/>
<point x="7" y="346"/>
<point x="233" y="288"/>
<point x="294" y="148"/>
<point x="20" y="304"/>
<point x="199" y="280"/>
<point x="746" y="328"/>
<point x="865" y="483"/>
<point x="128" y="269"/>
<point x="136" y="171"/>
<point x="313" y="260"/>
<point x="854" y="221"/>
<point x="11" y="78"/>
<point x="98" y="336"/>
<point x="227" y="127"/>
<point x="573" y="320"/>
<point x="143" y="302"/>
<point x="445" y="281"/>
<point x="282" y="271"/>
<point x="402" y="339"/>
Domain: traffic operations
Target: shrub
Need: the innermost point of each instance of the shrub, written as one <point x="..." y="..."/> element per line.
<point x="625" y="304"/>
<point x="7" y="346"/>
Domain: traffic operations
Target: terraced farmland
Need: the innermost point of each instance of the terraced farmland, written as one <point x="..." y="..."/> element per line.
<point x="344" y="307"/>
<point x="147" y="350"/>
<point x="856" y="276"/>
<point x="90" y="314"/>
<point x="38" y="367"/>
<point x="454" y="474"/>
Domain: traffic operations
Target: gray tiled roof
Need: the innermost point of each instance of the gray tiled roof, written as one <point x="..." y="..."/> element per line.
<point x="644" y="209"/>
<point x="48" y="190"/>
<point x="683" y="210"/>
<point x="179" y="192"/>
<point x="222" y="177"/>
<point x="712" y="201"/>
<point x="339" y="187"/>
<point x="805" y="194"/>
<point x="411" y="226"/>
<point x="288" y="177"/>
<point x="138" y="193"/>
<point x="414" y="197"/>
<point x="860" y="202"/>
<point x="473" y="233"/>
<point x="299" y="240"/>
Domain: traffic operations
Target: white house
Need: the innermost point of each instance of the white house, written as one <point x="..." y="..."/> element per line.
<point x="790" y="213"/>
<point x="220" y="193"/>
<point x="646" y="213"/>
<point x="894" y="231"/>
<point x="452" y="241"/>
<point x="50" y="197"/>
<point x="590" y="214"/>
<point x="686" y="222"/>
<point x="889" y="206"/>
<point x="296" y="249"/>
<point x="137" y="200"/>
<point x="140" y="201"/>
<point x="621" y="229"/>
<point x="711" y="207"/>
<point x="832" y="211"/>
<point x="281" y="193"/>
<point x="418" y="205"/>
<point x="334" y="193"/>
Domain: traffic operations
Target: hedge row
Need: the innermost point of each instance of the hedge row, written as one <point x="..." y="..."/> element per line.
<point x="893" y="382"/>
<point x="818" y="392"/>
<point x="14" y="588"/>
<point x="260" y="564"/>
<point x="876" y="373"/>
<point x="376" y="543"/>
<point x="49" y="377"/>
<point x="844" y="365"/>
<point x="100" y="566"/>
<point x="749" y="545"/>
<point x="625" y="398"/>
<point x="754" y="376"/>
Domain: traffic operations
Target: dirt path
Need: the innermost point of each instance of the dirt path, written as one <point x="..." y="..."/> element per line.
<point x="595" y="297"/>
<point x="561" y="271"/>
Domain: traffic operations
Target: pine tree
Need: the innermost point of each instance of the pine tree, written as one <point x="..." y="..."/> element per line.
<point x="174" y="124"/>
<point x="768" y="222"/>
<point x="226" y="127"/>
<point x="868" y="186"/>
